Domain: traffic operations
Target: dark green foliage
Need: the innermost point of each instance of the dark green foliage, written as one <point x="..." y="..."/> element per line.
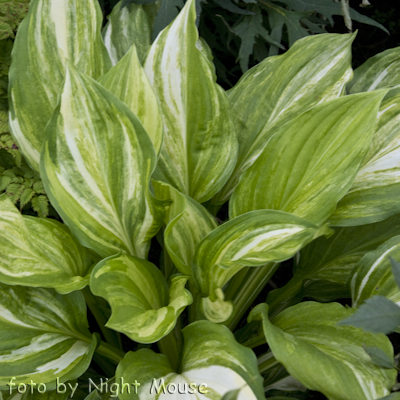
<point x="243" y="33"/>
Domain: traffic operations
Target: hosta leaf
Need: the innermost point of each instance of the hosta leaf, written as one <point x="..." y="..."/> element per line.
<point x="377" y="315"/>
<point x="379" y="71"/>
<point x="373" y="274"/>
<point x="96" y="166"/>
<point x="200" y="145"/>
<point x="324" y="356"/>
<point x="374" y="192"/>
<point x="212" y="360"/>
<point x="142" y="306"/>
<point x="379" y="357"/>
<point x="306" y="166"/>
<point x="188" y="223"/>
<point x="270" y="94"/>
<point x="127" y="26"/>
<point x="51" y="33"/>
<point x="43" y="336"/>
<point x="252" y="239"/>
<point x="326" y="264"/>
<point x="40" y="252"/>
<point x="128" y="81"/>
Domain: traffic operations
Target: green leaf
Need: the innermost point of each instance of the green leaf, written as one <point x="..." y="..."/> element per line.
<point x="142" y="306"/>
<point x="323" y="356"/>
<point x="326" y="264"/>
<point x="50" y="34"/>
<point x="379" y="71"/>
<point x="187" y="224"/>
<point x="212" y="360"/>
<point x="43" y="336"/>
<point x="279" y="17"/>
<point x="373" y="194"/>
<point x="40" y="205"/>
<point x="377" y="314"/>
<point x="40" y="252"/>
<point x="128" y="81"/>
<point x="330" y="8"/>
<point x="168" y="11"/>
<point x="252" y="239"/>
<point x="248" y="30"/>
<point x="306" y="167"/>
<point x="127" y="26"/>
<point x="96" y="167"/>
<point x="232" y="395"/>
<point x="379" y="357"/>
<point x="279" y="88"/>
<point x="395" y="270"/>
<point x="200" y="145"/>
<point x="393" y="396"/>
<point x="373" y="274"/>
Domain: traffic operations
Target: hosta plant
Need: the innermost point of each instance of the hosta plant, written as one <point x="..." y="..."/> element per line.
<point x="138" y="151"/>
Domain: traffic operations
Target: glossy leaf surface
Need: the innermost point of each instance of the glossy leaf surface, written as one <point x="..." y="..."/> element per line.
<point x="96" y="167"/>
<point x="43" y="335"/>
<point x="200" y="145"/>
<point x="52" y="33"/>
<point x="312" y="71"/>
<point x="143" y="307"/>
<point x="212" y="360"/>
<point x="40" y="252"/>
<point x="324" y="356"/>
<point x="307" y="167"/>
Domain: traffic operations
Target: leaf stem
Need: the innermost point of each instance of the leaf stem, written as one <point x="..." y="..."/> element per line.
<point x="112" y="337"/>
<point x="244" y="288"/>
<point x="110" y="352"/>
<point x="171" y="346"/>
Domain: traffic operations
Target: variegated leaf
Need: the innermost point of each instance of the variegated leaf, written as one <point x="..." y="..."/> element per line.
<point x="40" y="252"/>
<point x="374" y="194"/>
<point x="213" y="363"/>
<point x="128" y="81"/>
<point x="373" y="274"/>
<point x="143" y="308"/>
<point x="306" y="167"/>
<point x="379" y="71"/>
<point x="324" y="356"/>
<point x="52" y="32"/>
<point x="315" y="69"/>
<point x="200" y="145"/>
<point x="325" y="265"/>
<point x="252" y="239"/>
<point x="188" y="223"/>
<point x="96" y="165"/>
<point x="43" y="336"/>
<point x="126" y="26"/>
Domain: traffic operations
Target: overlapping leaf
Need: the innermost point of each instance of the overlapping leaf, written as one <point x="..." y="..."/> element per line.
<point x="379" y="71"/>
<point x="252" y="239"/>
<point x="374" y="193"/>
<point x="40" y="252"/>
<point x="273" y="92"/>
<point x="30" y="393"/>
<point x="324" y="356"/>
<point x="43" y="336"/>
<point x="307" y="167"/>
<point x="96" y="165"/>
<point x="200" y="145"/>
<point x="326" y="264"/>
<point x="373" y="274"/>
<point x="51" y="33"/>
<point x="142" y="306"/>
<point x="188" y="223"/>
<point x="128" y="81"/>
<point x="212" y="360"/>
<point x="127" y="26"/>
